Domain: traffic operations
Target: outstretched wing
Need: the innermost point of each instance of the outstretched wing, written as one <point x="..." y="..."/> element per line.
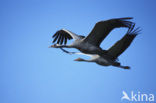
<point x="63" y="35"/>
<point x="120" y="46"/>
<point x="103" y="28"/>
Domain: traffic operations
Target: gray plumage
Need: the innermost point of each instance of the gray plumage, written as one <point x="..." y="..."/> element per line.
<point x="116" y="50"/>
<point x="91" y="43"/>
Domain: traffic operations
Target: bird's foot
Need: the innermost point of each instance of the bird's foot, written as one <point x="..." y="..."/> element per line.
<point x="126" y="67"/>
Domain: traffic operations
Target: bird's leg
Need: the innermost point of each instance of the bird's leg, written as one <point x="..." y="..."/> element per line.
<point x="117" y="64"/>
<point x="78" y="59"/>
<point x="123" y="67"/>
<point x="67" y="51"/>
<point x="60" y="46"/>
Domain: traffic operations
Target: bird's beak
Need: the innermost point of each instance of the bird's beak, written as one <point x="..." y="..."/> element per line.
<point x="78" y="59"/>
<point x="52" y="46"/>
<point x="49" y="46"/>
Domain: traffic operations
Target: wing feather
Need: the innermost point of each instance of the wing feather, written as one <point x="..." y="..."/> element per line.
<point x="103" y="28"/>
<point x="63" y="35"/>
<point x="55" y="37"/>
<point x="120" y="46"/>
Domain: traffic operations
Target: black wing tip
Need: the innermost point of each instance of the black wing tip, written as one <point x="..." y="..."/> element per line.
<point x="131" y="27"/>
<point x="135" y="31"/>
<point x="61" y="36"/>
<point x="126" y="23"/>
<point x="124" y="18"/>
<point x="56" y="33"/>
<point x="121" y="19"/>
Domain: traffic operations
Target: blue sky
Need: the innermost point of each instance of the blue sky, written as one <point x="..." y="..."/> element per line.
<point x="30" y="72"/>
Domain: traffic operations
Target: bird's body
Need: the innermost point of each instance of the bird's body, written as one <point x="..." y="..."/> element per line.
<point x="110" y="55"/>
<point x="103" y="60"/>
<point x="82" y="46"/>
<point x="91" y="43"/>
<point x="86" y="47"/>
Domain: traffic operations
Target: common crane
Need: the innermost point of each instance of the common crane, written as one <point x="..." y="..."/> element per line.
<point x="116" y="50"/>
<point x="91" y="43"/>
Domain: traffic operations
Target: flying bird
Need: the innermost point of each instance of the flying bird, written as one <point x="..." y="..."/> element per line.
<point x="91" y="43"/>
<point x="111" y="55"/>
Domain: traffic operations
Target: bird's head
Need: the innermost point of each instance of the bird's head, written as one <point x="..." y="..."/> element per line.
<point x="79" y="59"/>
<point x="53" y="46"/>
